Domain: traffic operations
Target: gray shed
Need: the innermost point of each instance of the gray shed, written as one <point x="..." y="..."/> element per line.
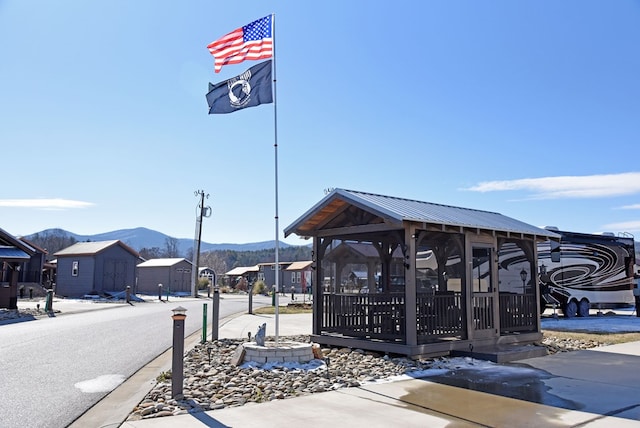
<point x="101" y="267"/>
<point x="173" y="273"/>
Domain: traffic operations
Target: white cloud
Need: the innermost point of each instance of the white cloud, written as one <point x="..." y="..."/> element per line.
<point x="587" y="186"/>
<point x="631" y="207"/>
<point x="45" y="204"/>
<point x="627" y="226"/>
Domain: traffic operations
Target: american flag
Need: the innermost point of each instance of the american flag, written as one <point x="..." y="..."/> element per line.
<point x="251" y="42"/>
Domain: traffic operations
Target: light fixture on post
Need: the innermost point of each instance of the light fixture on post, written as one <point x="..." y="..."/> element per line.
<point x="523" y="276"/>
<point x="177" y="366"/>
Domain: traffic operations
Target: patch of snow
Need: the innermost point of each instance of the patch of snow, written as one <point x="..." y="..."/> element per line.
<point x="104" y="383"/>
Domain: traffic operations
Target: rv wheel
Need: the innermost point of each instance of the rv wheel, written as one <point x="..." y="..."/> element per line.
<point x="570" y="309"/>
<point x="583" y="308"/>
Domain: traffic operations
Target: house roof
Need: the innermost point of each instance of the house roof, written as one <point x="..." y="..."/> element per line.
<point x="282" y="264"/>
<point x="92" y="248"/>
<point x="32" y="245"/>
<point x="14" y="250"/>
<point x="299" y="265"/>
<point x="163" y="262"/>
<point x="395" y="211"/>
<point x="8" y="240"/>
<point x="241" y="270"/>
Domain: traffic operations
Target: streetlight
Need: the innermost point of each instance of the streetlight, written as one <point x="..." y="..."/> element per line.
<point x="177" y="365"/>
<point x="523" y="276"/>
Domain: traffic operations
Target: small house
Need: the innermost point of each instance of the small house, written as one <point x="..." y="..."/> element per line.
<point x="14" y="253"/>
<point x="299" y="274"/>
<point x="267" y="273"/>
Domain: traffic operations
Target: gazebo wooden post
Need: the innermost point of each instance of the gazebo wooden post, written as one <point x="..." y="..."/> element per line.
<point x="317" y="286"/>
<point x="410" y="302"/>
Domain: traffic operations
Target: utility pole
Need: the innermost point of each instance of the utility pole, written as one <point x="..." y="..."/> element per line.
<point x="202" y="211"/>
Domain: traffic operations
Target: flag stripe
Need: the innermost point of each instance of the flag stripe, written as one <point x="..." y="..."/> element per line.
<point x="251" y="42"/>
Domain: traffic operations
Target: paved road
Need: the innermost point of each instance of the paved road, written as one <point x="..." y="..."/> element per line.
<point x="54" y="369"/>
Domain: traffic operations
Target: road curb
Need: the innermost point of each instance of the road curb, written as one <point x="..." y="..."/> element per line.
<point x="115" y="407"/>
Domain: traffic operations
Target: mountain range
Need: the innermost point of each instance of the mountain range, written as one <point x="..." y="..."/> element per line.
<point x="142" y="237"/>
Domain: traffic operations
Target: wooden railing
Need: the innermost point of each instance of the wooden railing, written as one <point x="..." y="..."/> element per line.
<point x="382" y="316"/>
<point x="518" y="312"/>
<point x="375" y="316"/>
<point x="482" y="304"/>
<point x="439" y="315"/>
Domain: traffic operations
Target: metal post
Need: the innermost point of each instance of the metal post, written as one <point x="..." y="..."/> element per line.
<point x="204" y="323"/>
<point x="177" y="365"/>
<point x="127" y="294"/>
<point x="251" y="299"/>
<point x="160" y="292"/>
<point x="48" y="307"/>
<point x="215" y="321"/>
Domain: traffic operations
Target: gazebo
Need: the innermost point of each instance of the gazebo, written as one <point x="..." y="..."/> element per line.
<point x="432" y="279"/>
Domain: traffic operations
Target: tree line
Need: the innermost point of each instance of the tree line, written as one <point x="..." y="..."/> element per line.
<point x="220" y="261"/>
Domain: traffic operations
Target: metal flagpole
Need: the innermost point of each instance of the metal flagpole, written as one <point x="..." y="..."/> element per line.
<point x="275" y="146"/>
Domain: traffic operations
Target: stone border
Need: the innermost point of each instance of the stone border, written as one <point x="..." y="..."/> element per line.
<point x="282" y="353"/>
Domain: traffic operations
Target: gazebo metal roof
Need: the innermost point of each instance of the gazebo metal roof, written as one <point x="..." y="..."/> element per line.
<point x="395" y="211"/>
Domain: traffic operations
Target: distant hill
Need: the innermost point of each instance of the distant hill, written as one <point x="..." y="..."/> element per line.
<point x="142" y="237"/>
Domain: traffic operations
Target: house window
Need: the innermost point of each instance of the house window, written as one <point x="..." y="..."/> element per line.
<point x="293" y="277"/>
<point x="74" y="268"/>
<point x="273" y="267"/>
<point x="261" y="276"/>
<point x="298" y="276"/>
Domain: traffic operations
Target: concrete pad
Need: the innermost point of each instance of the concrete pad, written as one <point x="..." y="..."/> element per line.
<point x="411" y="403"/>
<point x="351" y="407"/>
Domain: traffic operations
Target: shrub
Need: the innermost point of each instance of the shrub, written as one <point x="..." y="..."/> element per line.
<point x="259" y="287"/>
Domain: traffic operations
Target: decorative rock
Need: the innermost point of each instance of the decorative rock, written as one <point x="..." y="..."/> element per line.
<point x="224" y="384"/>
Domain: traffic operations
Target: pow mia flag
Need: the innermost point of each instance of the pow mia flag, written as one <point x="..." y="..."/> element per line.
<point x="250" y="89"/>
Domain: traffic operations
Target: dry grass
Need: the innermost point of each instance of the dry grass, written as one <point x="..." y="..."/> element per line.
<point x="298" y="308"/>
<point x="611" y="338"/>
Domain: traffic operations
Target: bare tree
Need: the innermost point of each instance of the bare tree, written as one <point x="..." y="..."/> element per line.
<point x="214" y="260"/>
<point x="171" y="247"/>
<point x="150" y="253"/>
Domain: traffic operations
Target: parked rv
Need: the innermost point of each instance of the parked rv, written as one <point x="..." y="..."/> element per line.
<point x="585" y="271"/>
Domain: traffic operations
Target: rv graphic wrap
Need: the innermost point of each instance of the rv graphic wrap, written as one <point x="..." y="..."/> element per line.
<point x="600" y="272"/>
<point x="588" y="271"/>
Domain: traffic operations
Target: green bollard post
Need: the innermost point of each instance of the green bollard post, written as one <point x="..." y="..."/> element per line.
<point x="273" y="296"/>
<point x="204" y="323"/>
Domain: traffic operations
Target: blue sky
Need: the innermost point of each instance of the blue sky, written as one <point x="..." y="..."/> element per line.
<point x="527" y="108"/>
